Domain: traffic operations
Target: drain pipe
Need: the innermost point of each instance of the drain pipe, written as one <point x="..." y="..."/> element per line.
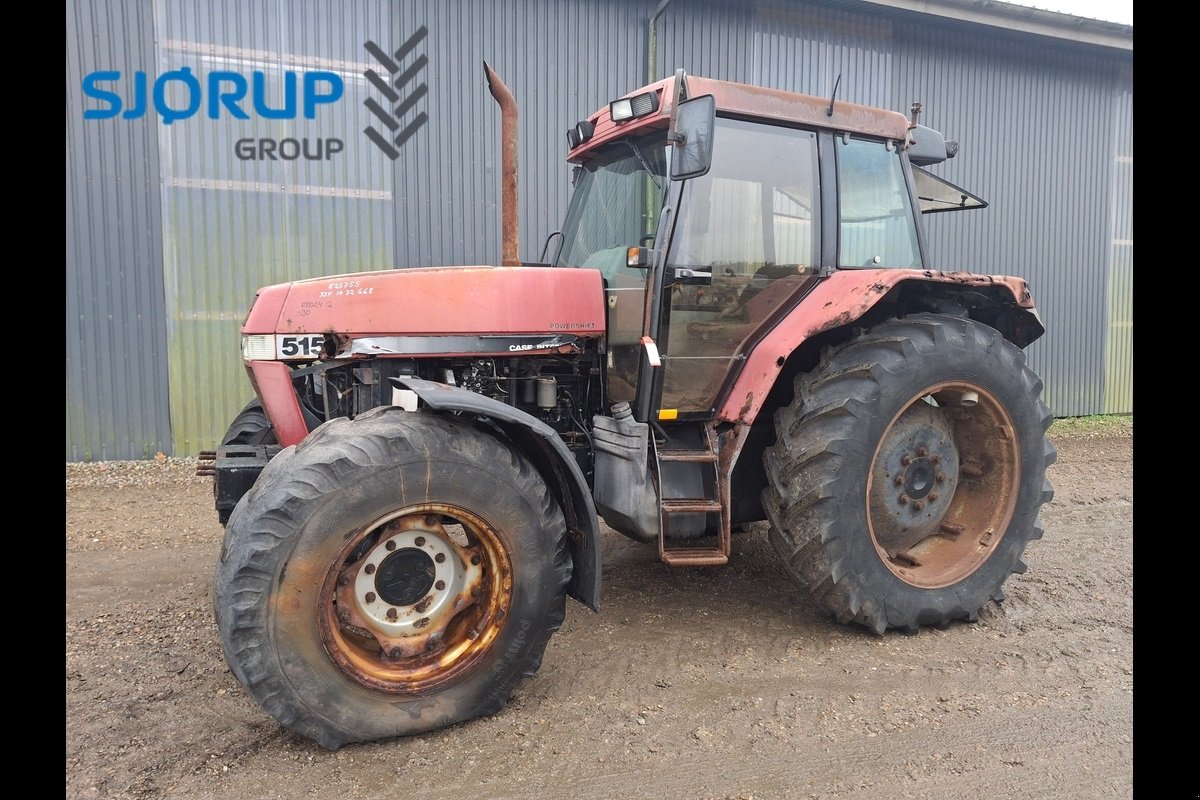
<point x="510" y="228"/>
<point x="652" y="42"/>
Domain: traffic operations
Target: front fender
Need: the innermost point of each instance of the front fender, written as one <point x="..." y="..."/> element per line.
<point x="542" y="445"/>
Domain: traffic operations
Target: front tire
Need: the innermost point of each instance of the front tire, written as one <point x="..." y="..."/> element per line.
<point x="250" y="426"/>
<point x="390" y="575"/>
<point x="908" y="471"/>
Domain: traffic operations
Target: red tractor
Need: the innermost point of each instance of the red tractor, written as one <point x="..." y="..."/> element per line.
<point x="737" y="324"/>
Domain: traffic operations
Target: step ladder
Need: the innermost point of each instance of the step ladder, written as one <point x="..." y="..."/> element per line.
<point x="700" y="556"/>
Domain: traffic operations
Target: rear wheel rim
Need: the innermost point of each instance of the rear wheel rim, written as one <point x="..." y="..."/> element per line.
<point x="414" y="599"/>
<point x="943" y="484"/>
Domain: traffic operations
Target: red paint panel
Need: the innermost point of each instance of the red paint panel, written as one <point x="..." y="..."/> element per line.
<point x="273" y="383"/>
<point x="268" y="303"/>
<point x="437" y="301"/>
<point x="842" y="298"/>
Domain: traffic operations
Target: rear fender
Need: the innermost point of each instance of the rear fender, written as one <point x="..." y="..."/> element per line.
<point x="847" y="296"/>
<point x="538" y="442"/>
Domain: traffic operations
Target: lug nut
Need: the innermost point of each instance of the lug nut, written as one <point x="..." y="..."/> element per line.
<point x="903" y="499"/>
<point x="905" y="460"/>
<point x="941" y="477"/>
<point x="936" y="459"/>
<point x="431" y="520"/>
<point x="419" y="541"/>
<point x="899" y="480"/>
<point x="344" y="616"/>
<point x="369" y="569"/>
<point x="440" y="585"/>
<point x="440" y="557"/>
<point x="395" y="652"/>
<point x="343" y="580"/>
<point x="922" y="452"/>
<point x="920" y="504"/>
<point x="933" y="496"/>
<point x="392" y="613"/>
<point x="391" y="544"/>
<point x="370" y="598"/>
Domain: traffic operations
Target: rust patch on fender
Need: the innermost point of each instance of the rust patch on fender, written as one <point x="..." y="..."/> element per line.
<point x="744" y="411"/>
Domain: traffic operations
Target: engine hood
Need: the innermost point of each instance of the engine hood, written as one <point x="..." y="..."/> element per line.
<point x="368" y="310"/>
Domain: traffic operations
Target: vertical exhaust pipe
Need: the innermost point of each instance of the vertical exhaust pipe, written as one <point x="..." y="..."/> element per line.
<point x="510" y="229"/>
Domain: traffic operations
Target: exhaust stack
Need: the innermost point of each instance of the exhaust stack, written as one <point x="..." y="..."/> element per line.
<point x="510" y="228"/>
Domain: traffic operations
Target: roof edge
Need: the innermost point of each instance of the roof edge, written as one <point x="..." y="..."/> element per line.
<point x="1036" y="21"/>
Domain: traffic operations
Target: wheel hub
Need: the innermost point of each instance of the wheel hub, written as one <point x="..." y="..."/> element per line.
<point x="408" y="587"/>
<point x="912" y="481"/>
<point x="919" y="478"/>
<point x="405" y="576"/>
<point x="943" y="484"/>
<point x="415" y="598"/>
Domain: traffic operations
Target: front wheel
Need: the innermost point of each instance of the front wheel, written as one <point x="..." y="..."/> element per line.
<point x="390" y="575"/>
<point x="908" y="471"/>
<point x="250" y="426"/>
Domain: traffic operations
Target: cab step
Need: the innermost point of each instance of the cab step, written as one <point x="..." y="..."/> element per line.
<point x="701" y="456"/>
<point x="690" y="505"/>
<point x="720" y="453"/>
<point x="694" y="557"/>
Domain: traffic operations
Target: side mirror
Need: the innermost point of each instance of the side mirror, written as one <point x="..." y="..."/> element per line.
<point x="692" y="135"/>
<point x="927" y="146"/>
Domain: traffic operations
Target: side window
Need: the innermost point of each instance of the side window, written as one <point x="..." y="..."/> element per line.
<point x="876" y="228"/>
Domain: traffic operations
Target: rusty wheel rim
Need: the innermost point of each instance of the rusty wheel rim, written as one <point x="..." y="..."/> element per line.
<point x="943" y="484"/>
<point x="415" y="598"/>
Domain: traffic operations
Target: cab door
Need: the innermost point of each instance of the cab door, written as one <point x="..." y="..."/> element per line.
<point x="745" y="247"/>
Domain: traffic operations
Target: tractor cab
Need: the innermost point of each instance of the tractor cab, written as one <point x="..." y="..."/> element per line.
<point x="709" y="195"/>
<point x="725" y="204"/>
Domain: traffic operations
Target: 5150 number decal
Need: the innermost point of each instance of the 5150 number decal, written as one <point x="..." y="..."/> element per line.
<point x="304" y="347"/>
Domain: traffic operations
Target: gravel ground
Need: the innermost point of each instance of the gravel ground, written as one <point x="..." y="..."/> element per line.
<point x="715" y="682"/>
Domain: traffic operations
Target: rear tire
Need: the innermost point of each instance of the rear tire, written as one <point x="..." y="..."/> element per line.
<point x="908" y="471"/>
<point x="342" y="639"/>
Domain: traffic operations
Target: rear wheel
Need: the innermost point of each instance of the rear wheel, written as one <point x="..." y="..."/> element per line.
<point x="908" y="472"/>
<point x="390" y="575"/>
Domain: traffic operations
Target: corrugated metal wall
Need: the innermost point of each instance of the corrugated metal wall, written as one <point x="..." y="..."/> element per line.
<point x="792" y="46"/>
<point x="1118" y="368"/>
<point x="174" y="259"/>
<point x="116" y="366"/>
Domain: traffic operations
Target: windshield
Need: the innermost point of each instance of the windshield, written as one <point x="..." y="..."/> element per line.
<point x="617" y="199"/>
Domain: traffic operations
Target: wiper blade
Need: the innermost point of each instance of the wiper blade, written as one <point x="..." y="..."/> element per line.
<point x="645" y="165"/>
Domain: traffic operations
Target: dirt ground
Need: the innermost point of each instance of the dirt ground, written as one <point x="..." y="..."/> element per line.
<point x="717" y="682"/>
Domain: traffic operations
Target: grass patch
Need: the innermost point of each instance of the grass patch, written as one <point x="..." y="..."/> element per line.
<point x="1108" y="425"/>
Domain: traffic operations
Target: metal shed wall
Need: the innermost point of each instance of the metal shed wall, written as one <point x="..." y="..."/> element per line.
<point x="116" y="357"/>
<point x="169" y="234"/>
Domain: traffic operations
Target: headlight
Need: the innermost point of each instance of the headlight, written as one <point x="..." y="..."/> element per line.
<point x="258" y="347"/>
<point x="630" y="107"/>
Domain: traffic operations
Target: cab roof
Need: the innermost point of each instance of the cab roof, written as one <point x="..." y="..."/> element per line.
<point x="748" y="102"/>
